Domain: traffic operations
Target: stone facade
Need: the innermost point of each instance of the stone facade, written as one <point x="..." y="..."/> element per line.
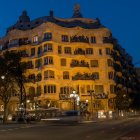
<point x="65" y="55"/>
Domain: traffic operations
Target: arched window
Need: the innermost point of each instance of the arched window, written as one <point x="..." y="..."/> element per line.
<point x="49" y="74"/>
<point x="66" y="75"/>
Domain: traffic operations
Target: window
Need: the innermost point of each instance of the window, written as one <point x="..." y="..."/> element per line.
<point x="59" y="49"/>
<point x="94" y="63"/>
<point x="35" y="39"/>
<point x="66" y="90"/>
<point x="30" y="65"/>
<point x="99" y="89"/>
<point x="31" y="77"/>
<point x="110" y="75"/>
<point x="38" y="89"/>
<point x="48" y="60"/>
<point x="88" y="87"/>
<point x="93" y="39"/>
<point x="65" y="38"/>
<point x="109" y="62"/>
<point x="96" y="75"/>
<point x="14" y="42"/>
<point x="32" y="91"/>
<point x="108" y="51"/>
<point x="48" y="74"/>
<point x="23" y="53"/>
<point x="48" y="36"/>
<point x="63" y="62"/>
<point x="50" y="89"/>
<point x="100" y="52"/>
<point x="39" y="77"/>
<point x="89" y="51"/>
<point x="48" y="47"/>
<point x="112" y="88"/>
<point x="67" y="50"/>
<point x="32" y="51"/>
<point x="39" y="50"/>
<point x="82" y="89"/>
<point x="38" y="63"/>
<point x="66" y="75"/>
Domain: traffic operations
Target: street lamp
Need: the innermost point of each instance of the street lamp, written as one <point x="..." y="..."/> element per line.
<point x="75" y="98"/>
<point x="91" y="93"/>
<point x="2" y="77"/>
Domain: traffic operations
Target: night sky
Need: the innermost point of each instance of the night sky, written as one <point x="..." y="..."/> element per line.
<point x="122" y="17"/>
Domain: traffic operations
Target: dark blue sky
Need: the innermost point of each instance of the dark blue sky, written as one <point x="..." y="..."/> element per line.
<point x="120" y="16"/>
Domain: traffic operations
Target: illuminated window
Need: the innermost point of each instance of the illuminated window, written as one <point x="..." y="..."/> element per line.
<point x="94" y="63"/>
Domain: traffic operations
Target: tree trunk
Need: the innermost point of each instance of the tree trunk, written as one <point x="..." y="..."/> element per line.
<point x="5" y="113"/>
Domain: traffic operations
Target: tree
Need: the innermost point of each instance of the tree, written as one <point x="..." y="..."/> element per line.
<point x="123" y="101"/>
<point x="7" y="88"/>
<point x="12" y="70"/>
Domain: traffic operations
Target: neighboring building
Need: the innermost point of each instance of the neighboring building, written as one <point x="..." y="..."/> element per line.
<point x="70" y="54"/>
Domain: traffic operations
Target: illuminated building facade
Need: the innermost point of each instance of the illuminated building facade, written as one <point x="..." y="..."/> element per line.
<point x="69" y="54"/>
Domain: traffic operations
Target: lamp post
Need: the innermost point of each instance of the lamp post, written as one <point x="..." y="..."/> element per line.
<point x="73" y="95"/>
<point x="91" y="93"/>
<point x="75" y="98"/>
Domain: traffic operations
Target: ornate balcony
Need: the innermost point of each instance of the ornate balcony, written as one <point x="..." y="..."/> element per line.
<point x="76" y="63"/>
<point x="79" y="39"/>
<point x="85" y="76"/>
<point x="79" y="51"/>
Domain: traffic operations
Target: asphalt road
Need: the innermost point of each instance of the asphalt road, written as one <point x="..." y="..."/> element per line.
<point x="108" y="130"/>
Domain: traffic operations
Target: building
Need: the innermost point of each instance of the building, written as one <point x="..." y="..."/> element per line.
<point x="70" y="54"/>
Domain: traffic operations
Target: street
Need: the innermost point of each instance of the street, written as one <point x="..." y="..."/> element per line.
<point x="106" y="130"/>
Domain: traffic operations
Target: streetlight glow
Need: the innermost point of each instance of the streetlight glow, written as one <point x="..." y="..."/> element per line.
<point x="2" y="77"/>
